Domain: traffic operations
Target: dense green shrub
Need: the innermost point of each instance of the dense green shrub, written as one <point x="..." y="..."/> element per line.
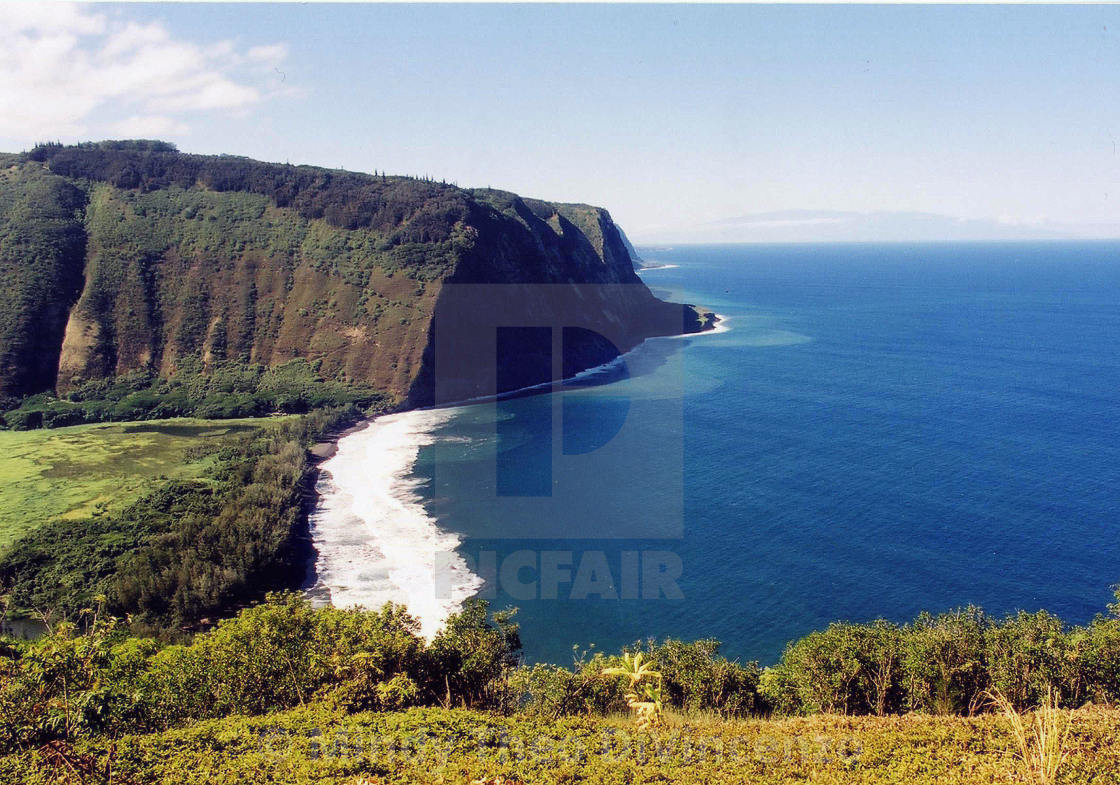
<point x="1026" y="655"/>
<point x="824" y="671"/>
<point x="230" y="389"/>
<point x="282" y="653"/>
<point x="69" y="683"/>
<point x="697" y="679"/>
<point x="694" y="679"/>
<point x="473" y="655"/>
<point x="847" y="669"/>
<point x="554" y="691"/>
<point x="1093" y="652"/>
<point x="936" y="664"/>
<point x="93" y="678"/>
<point x="946" y="664"/>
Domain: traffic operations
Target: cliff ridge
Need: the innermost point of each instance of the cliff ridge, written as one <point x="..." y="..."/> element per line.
<point x="119" y="257"/>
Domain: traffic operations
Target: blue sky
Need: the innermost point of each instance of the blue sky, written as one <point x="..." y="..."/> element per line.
<point x="670" y="116"/>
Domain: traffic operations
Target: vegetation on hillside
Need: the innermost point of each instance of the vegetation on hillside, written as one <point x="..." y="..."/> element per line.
<point x="948" y="664"/>
<point x="183" y="278"/>
<point x="42" y="245"/>
<point x="90" y="470"/>
<point x="93" y="678"/>
<point x="130" y="259"/>
<point x="405" y="209"/>
<point x="87" y="695"/>
<point x="192" y="259"/>
<point x="188" y="549"/>
<point x="228" y="390"/>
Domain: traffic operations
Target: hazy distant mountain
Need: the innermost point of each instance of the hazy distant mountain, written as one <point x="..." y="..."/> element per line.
<point x="843" y="226"/>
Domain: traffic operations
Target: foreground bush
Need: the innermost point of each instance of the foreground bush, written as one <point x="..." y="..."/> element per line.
<point x="280" y="654"/>
<point x="694" y="679"/>
<point x="947" y="664"/>
<point x="553" y="691"/>
<point x="95" y="679"/>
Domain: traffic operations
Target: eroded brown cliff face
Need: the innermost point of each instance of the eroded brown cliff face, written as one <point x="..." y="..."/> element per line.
<point x="163" y="283"/>
<point x="538" y="266"/>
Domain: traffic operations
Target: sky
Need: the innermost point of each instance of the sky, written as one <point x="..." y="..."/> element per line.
<point x="671" y="116"/>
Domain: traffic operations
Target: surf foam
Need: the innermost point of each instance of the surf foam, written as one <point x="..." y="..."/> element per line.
<point x="375" y="542"/>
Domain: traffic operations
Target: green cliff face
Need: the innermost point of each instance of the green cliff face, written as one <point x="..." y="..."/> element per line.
<point x="42" y="250"/>
<point x="129" y="256"/>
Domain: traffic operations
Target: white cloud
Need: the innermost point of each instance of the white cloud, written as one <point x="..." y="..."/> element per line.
<point x="22" y="17"/>
<point x="270" y="55"/>
<point x="147" y="127"/>
<point x="63" y="66"/>
<point x="218" y="94"/>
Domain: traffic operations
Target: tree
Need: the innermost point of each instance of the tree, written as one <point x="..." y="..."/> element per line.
<point x="472" y="653"/>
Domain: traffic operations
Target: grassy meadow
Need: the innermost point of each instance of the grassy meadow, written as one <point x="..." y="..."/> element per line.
<point x="88" y="470"/>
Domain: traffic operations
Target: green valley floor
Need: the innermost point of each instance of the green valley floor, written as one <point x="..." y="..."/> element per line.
<point x="89" y="470"/>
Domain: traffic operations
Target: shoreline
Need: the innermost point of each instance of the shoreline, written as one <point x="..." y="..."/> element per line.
<point x="310" y="499"/>
<point x="325" y="449"/>
<point x="371" y="538"/>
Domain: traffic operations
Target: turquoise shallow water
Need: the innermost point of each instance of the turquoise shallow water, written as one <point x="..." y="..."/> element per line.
<point x="884" y="429"/>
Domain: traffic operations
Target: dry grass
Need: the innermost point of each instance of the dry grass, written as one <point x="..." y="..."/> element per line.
<point x="315" y="745"/>
<point x="1041" y="737"/>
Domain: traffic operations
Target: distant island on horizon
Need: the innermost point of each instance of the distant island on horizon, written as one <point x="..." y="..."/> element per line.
<point x="792" y="226"/>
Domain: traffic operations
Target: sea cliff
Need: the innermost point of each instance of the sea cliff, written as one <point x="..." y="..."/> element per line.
<point x="124" y="257"/>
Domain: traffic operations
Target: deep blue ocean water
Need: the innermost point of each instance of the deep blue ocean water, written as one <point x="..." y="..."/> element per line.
<point x="884" y="429"/>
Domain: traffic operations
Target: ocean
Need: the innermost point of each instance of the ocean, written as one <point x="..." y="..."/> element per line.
<point x="876" y="430"/>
